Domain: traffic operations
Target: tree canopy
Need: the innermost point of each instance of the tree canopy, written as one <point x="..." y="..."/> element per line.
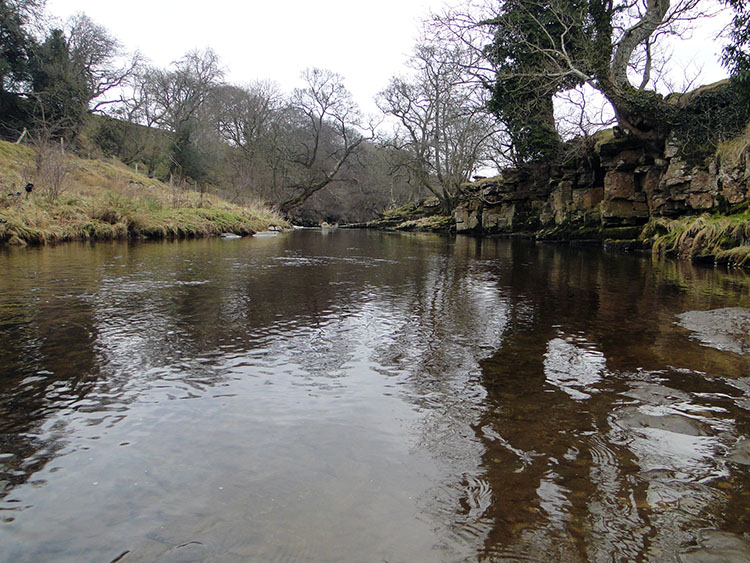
<point x="737" y="52"/>
<point x="482" y="88"/>
<point x="444" y="130"/>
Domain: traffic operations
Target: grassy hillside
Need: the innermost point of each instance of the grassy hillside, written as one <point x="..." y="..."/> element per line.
<point x="80" y="199"/>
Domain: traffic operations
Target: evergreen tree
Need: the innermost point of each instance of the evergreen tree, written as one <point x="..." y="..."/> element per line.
<point x="60" y="90"/>
<point x="16" y="46"/>
<point x="530" y="39"/>
<point x="737" y="53"/>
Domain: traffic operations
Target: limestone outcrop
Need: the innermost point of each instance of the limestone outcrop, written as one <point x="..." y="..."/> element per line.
<point x="619" y="182"/>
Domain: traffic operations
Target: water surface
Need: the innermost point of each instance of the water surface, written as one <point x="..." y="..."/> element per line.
<point x="359" y="396"/>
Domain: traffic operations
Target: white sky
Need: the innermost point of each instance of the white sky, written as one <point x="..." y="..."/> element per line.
<point x="366" y="42"/>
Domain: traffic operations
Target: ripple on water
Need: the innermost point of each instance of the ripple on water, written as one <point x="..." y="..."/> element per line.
<point x="336" y="399"/>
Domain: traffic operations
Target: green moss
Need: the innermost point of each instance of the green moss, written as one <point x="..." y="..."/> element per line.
<point x="570" y="231"/>
<point x="413" y="216"/>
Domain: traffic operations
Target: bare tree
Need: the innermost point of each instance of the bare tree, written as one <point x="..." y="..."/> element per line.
<point x="246" y="120"/>
<point x="541" y="48"/>
<point x="175" y="100"/>
<point x="442" y="123"/>
<point x="326" y="129"/>
<point x="243" y="114"/>
<point x="101" y="59"/>
<point x="172" y="97"/>
<point x="49" y="172"/>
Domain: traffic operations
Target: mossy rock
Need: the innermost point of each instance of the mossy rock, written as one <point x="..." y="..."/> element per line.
<point x="434" y="223"/>
<point x="570" y="231"/>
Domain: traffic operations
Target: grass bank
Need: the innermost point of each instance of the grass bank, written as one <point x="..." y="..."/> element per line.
<point x="720" y="239"/>
<point x="426" y="216"/>
<point x="80" y="199"/>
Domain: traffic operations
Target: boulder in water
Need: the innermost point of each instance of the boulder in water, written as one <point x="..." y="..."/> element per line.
<point x="724" y="329"/>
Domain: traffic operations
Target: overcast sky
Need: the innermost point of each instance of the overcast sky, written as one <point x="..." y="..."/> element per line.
<point x="366" y="42"/>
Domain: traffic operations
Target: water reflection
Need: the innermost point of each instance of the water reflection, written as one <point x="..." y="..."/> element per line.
<point x="590" y="453"/>
<point x="365" y="396"/>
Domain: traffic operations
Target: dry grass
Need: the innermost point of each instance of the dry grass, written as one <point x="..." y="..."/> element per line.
<point x="720" y="239"/>
<point x="731" y="152"/>
<point x="105" y="200"/>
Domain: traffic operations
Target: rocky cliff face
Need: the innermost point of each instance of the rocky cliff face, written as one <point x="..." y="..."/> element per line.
<point x="620" y="182"/>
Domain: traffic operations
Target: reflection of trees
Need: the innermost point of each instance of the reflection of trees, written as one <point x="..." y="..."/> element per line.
<point x="570" y="468"/>
<point x="98" y="327"/>
<point x="523" y="363"/>
<point x="530" y="432"/>
<point x="47" y="360"/>
<point x="434" y="330"/>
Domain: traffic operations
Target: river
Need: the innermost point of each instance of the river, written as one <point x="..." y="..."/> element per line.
<point x="363" y="396"/>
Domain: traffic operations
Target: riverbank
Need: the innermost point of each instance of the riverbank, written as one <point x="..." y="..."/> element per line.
<point x="717" y="239"/>
<point x="616" y="190"/>
<point x="80" y="199"/>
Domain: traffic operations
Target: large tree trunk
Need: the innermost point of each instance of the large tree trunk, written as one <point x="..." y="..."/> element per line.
<point x="304" y="194"/>
<point x="641" y="112"/>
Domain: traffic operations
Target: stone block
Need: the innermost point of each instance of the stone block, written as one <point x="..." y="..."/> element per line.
<point x="468" y="217"/>
<point x="701" y="201"/>
<point x="622" y="211"/>
<point x="629" y="159"/>
<point x="640" y="208"/>
<point x="585" y="179"/>
<point x="732" y="190"/>
<point x="702" y="181"/>
<point x="619" y="185"/>
<point x="678" y="193"/>
<point x="672" y="208"/>
<point x="586" y="199"/>
<point x="676" y="174"/>
<point x="611" y="147"/>
<point x="566" y="189"/>
<point x="650" y="181"/>
<point x="498" y="218"/>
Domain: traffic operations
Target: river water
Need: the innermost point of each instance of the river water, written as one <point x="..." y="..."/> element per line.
<point x="360" y="396"/>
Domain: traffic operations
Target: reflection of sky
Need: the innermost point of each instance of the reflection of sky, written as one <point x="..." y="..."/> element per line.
<point x="572" y="368"/>
<point x="313" y="389"/>
<point x="333" y="401"/>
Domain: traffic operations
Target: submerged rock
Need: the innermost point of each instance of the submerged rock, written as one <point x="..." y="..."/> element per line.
<point x="721" y="547"/>
<point x="634" y="419"/>
<point x="230" y="235"/>
<point x="741" y="453"/>
<point x="723" y="329"/>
